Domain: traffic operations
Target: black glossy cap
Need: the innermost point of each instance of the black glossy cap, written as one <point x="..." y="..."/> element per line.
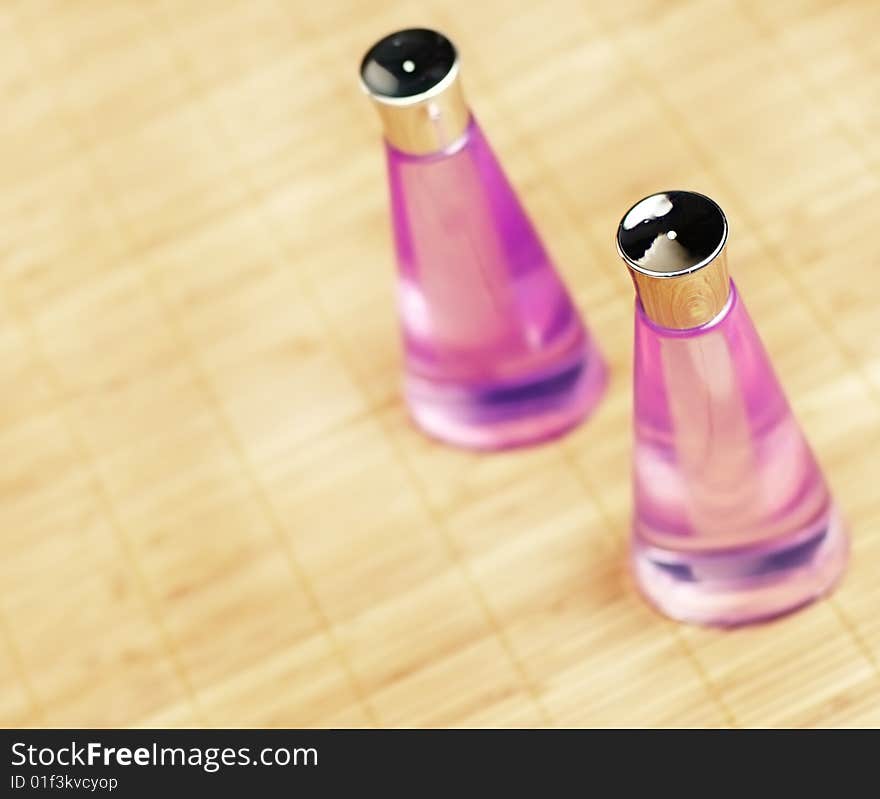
<point x="407" y="63"/>
<point x="672" y="232"/>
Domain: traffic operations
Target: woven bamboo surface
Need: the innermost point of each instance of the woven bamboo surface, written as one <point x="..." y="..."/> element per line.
<point x="213" y="509"/>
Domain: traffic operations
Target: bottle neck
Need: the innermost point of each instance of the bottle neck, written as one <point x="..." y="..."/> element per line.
<point x="684" y="301"/>
<point x="467" y="136"/>
<point x="690" y="332"/>
<point x="426" y="126"/>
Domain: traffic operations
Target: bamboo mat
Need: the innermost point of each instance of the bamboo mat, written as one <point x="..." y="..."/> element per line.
<point x="213" y="510"/>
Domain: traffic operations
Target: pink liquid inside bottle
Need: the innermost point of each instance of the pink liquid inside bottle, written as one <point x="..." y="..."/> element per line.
<point x="495" y="353"/>
<point x="733" y="521"/>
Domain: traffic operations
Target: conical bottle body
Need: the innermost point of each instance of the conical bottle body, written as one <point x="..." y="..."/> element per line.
<point x="733" y="520"/>
<point x="495" y="352"/>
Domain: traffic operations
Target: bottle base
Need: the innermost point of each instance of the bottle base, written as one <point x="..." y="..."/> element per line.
<point x="507" y="415"/>
<point x="745" y="586"/>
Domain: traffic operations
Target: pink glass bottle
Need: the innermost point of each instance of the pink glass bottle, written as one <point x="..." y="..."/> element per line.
<point x="732" y="521"/>
<point x="495" y="353"/>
